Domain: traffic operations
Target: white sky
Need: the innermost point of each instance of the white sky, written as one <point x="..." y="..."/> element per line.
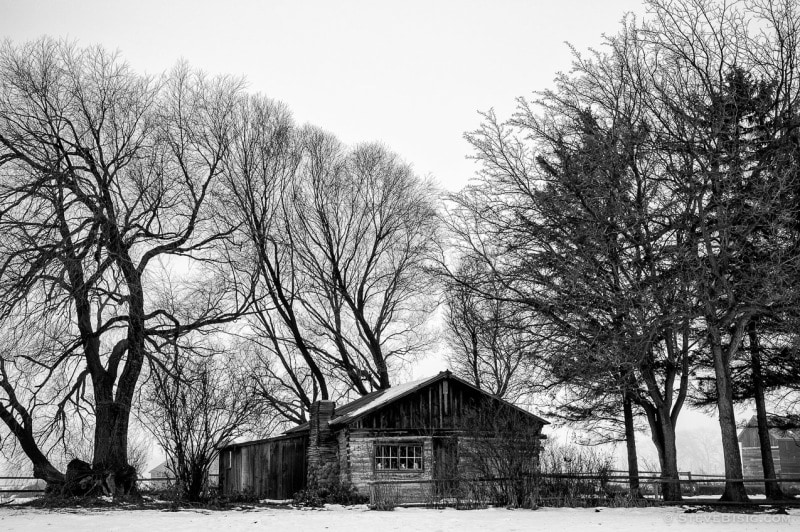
<point x="411" y="74"/>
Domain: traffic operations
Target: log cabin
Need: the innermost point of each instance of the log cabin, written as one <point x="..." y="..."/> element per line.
<point x="416" y="437"/>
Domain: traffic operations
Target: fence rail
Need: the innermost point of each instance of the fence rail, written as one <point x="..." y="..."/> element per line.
<point x="595" y="488"/>
<point x="614" y="479"/>
<point x="563" y="489"/>
<point x="4" y="489"/>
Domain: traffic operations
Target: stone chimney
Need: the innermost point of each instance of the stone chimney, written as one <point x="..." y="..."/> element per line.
<point x="322" y="459"/>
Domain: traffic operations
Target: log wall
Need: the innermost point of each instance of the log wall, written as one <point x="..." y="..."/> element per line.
<point x="360" y="457"/>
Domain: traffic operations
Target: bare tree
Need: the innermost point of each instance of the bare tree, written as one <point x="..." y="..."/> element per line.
<point x="106" y="183"/>
<point x="22" y="400"/>
<point x="264" y="162"/>
<point x="489" y="346"/>
<point x="337" y="240"/>
<point x="203" y="401"/>
<point x="368" y="228"/>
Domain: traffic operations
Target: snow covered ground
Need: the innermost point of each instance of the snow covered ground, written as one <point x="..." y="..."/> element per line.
<point x="358" y="519"/>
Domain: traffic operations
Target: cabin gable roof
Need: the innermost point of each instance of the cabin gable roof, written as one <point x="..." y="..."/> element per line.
<point x="748" y="436"/>
<point x="372" y="402"/>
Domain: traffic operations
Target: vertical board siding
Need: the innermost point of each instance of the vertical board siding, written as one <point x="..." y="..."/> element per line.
<point x="442" y="405"/>
<point x="789" y="450"/>
<point x="270" y="469"/>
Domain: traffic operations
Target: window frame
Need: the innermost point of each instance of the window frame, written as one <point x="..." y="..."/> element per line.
<point x="387" y="451"/>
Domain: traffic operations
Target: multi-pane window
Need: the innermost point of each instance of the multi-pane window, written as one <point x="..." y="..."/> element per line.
<point x="398" y="457"/>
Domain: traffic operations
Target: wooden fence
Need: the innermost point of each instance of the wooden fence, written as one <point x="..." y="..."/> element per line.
<point x="581" y="489"/>
<point x="587" y="490"/>
<point x="12" y="489"/>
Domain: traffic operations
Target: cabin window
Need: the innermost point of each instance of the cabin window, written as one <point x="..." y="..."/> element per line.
<point x="398" y="457"/>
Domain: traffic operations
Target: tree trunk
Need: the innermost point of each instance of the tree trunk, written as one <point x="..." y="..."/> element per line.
<point x="734" y="491"/>
<point x="42" y="468"/>
<point x="114" y="396"/>
<point x="112" y="418"/>
<point x="772" y="487"/>
<point x="663" y="435"/>
<point x="110" y="437"/>
<point x="194" y="489"/>
<point x="669" y="465"/>
<point x="113" y="402"/>
<point x="630" y="442"/>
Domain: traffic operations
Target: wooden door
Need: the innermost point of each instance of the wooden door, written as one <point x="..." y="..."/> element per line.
<point x="445" y="466"/>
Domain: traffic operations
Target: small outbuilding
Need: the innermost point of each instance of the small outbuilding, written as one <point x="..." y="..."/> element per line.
<point x="785" y="447"/>
<point x="418" y="438"/>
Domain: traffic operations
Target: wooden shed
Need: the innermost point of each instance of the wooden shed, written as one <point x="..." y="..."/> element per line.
<point x="419" y="436"/>
<point x="785" y="446"/>
<point x="274" y="468"/>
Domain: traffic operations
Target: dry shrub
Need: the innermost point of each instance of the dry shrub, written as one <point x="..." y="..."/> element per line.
<point x="574" y="476"/>
<point x="384" y="497"/>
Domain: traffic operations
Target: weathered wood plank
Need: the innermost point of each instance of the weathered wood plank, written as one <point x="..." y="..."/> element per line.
<point x="273" y="469"/>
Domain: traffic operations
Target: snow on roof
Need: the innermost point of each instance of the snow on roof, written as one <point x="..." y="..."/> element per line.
<point x="378" y="399"/>
<point x="370" y="401"/>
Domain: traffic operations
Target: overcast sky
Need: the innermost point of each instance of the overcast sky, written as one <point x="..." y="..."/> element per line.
<point x="411" y="74"/>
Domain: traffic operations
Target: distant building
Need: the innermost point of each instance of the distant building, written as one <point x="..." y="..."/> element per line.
<point x="415" y="437"/>
<point x="164" y="476"/>
<point x="161" y="471"/>
<point x="785" y="446"/>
